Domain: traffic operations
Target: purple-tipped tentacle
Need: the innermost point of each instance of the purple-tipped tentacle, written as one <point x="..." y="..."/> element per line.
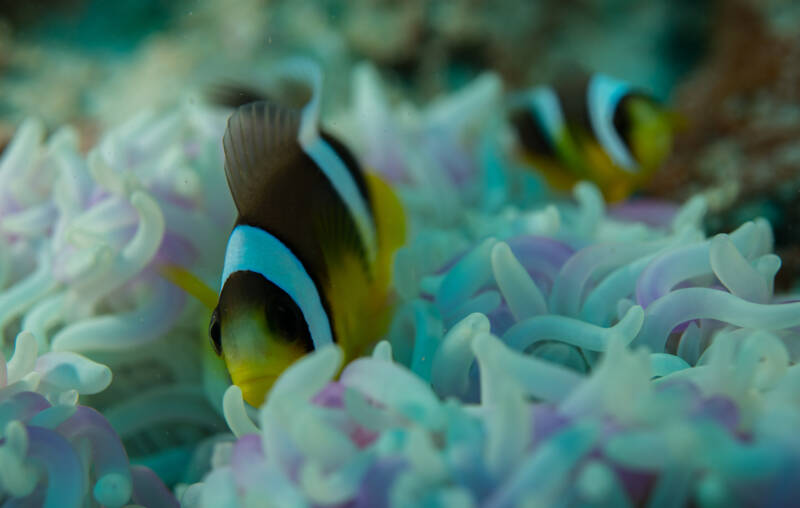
<point x="109" y="459"/>
<point x="247" y="459"/>
<point x="721" y="409"/>
<point x="65" y="476"/>
<point x="653" y="212"/>
<point x="22" y="406"/>
<point x="332" y="395"/>
<point x="149" y="490"/>
<point x="377" y="482"/>
<point x="540" y="255"/>
<point x="684" y="305"/>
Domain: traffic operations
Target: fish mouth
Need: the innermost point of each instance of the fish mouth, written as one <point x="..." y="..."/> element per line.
<point x="259" y="379"/>
<point x="255" y="388"/>
<point x="249" y="373"/>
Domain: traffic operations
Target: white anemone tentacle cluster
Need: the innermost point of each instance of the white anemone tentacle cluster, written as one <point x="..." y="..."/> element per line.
<point x="545" y="352"/>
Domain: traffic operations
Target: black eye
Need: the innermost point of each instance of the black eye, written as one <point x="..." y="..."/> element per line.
<point x="285" y="319"/>
<point x="214" y="332"/>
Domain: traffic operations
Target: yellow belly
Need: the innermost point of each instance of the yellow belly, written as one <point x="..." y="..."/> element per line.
<point x="588" y="162"/>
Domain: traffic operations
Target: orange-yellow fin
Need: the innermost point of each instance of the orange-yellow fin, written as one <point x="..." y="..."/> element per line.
<point x="190" y="283"/>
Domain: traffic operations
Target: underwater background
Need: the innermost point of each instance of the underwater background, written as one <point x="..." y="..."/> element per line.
<point x="548" y="347"/>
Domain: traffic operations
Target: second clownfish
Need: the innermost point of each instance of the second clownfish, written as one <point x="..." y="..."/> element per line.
<point x="593" y="127"/>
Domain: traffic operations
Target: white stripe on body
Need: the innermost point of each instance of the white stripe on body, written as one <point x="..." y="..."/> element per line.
<point x="547" y="111"/>
<point x="326" y="157"/>
<point x="603" y="95"/>
<point x="334" y="168"/>
<point x="253" y="249"/>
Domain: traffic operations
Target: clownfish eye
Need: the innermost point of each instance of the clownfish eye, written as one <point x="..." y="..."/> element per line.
<point x="214" y="332"/>
<point x="285" y="319"/>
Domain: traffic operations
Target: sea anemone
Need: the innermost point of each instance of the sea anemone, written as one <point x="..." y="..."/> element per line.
<point x="86" y="243"/>
<point x="55" y="452"/>
<point x="544" y="351"/>
<point x="381" y="435"/>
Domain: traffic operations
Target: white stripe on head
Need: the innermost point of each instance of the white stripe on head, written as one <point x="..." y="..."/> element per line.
<point x="253" y="249"/>
<point x="547" y="110"/>
<point x="602" y="96"/>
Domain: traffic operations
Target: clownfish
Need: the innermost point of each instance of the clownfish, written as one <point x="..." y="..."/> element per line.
<point x="308" y="262"/>
<point x="593" y="127"/>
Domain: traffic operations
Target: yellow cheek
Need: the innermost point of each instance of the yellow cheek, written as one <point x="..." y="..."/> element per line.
<point x="255" y="391"/>
<point x="615" y="183"/>
<point x="255" y="365"/>
<point x="651" y="136"/>
<point x="652" y="143"/>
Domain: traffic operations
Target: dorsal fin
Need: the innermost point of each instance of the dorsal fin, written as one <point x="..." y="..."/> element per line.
<point x="260" y="141"/>
<point x="290" y="84"/>
<point x="234" y="94"/>
<point x="264" y="140"/>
